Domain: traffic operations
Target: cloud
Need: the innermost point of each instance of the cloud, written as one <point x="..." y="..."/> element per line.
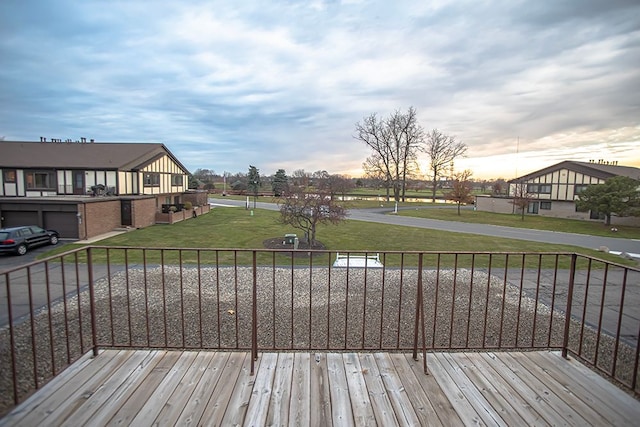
<point x="281" y="84"/>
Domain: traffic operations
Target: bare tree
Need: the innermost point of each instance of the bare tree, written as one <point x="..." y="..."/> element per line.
<point x="206" y="177"/>
<point x="408" y="139"/>
<point x="442" y="150"/>
<point x="461" y="189"/>
<point x="305" y="211"/>
<point x="521" y="197"/>
<point x="339" y="184"/>
<point x="320" y="179"/>
<point x="375" y="170"/>
<point x="300" y="178"/>
<point x="395" y="142"/>
<point x="499" y="185"/>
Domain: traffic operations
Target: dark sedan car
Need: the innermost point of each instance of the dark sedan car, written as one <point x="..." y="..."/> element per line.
<point x="19" y="240"/>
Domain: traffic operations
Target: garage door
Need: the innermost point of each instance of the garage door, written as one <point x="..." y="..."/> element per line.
<point x="65" y="223"/>
<point x="17" y="218"/>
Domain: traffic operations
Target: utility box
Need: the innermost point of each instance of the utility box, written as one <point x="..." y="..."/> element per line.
<point x="291" y="239"/>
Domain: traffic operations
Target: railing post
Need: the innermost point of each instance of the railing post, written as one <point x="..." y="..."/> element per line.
<point x="92" y="303"/>
<point x="419" y="310"/>
<point x="567" y="320"/>
<point x="12" y="341"/>
<point x="254" y="316"/>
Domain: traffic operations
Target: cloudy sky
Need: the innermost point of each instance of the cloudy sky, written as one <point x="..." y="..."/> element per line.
<point x="281" y="84"/>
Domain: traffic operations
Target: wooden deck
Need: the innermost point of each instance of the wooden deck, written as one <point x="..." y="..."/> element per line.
<point x="126" y="387"/>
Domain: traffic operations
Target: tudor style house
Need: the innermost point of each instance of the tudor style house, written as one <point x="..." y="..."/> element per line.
<point x="86" y="188"/>
<point x="554" y="190"/>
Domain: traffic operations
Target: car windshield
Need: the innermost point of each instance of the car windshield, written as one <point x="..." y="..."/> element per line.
<point x="37" y="230"/>
<point x="3" y="235"/>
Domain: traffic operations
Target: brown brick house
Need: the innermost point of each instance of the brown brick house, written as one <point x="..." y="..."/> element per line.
<point x="83" y="189"/>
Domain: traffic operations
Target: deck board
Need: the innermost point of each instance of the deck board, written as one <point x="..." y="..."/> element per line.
<point x="281" y="396"/>
<point x="499" y="403"/>
<point x="341" y="413"/>
<point x="382" y="407"/>
<point x="241" y="395"/>
<point x="143" y="387"/>
<point x="300" y="400"/>
<point x="221" y="394"/>
<point x="400" y="400"/>
<point x="596" y="393"/>
<point x="432" y="393"/>
<point x="544" y="390"/>
<point x="130" y="409"/>
<point x="202" y="393"/>
<point x="321" y="402"/>
<point x="506" y="389"/>
<point x="514" y="379"/>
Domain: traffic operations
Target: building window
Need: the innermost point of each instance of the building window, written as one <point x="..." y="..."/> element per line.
<point x="176" y="180"/>
<point x="151" y="179"/>
<point x="41" y="180"/>
<point x="532" y="207"/>
<point x="539" y="188"/>
<point x="579" y="188"/>
<point x="10" y="176"/>
<point x="545" y="205"/>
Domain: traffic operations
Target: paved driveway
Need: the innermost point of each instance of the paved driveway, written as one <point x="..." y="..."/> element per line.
<point x="9" y="261"/>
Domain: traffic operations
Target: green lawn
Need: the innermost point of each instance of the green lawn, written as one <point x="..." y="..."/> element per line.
<point x="449" y="213"/>
<point x="231" y="228"/>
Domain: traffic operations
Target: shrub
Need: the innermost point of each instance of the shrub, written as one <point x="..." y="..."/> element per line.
<point x="188" y="205"/>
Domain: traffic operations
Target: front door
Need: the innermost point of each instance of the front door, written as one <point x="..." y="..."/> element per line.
<point x="125" y="212"/>
<point x="78" y="182"/>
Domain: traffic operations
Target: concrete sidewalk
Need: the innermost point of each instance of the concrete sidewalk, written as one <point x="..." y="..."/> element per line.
<point x="102" y="236"/>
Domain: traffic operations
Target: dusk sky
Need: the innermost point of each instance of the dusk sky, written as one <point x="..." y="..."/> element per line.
<point x="281" y="84"/>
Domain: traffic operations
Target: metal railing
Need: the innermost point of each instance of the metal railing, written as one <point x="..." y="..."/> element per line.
<point x="58" y="309"/>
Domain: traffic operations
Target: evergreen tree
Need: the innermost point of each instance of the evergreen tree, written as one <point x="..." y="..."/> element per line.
<point x="619" y="195"/>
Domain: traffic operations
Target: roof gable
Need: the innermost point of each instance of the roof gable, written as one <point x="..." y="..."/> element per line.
<point x="74" y="155"/>
<point x="597" y="170"/>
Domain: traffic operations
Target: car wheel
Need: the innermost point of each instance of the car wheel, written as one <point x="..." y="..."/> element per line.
<point x="22" y="249"/>
<point x="53" y="240"/>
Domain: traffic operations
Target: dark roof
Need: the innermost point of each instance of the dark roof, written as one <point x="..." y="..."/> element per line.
<point x="598" y="170"/>
<point x="81" y="155"/>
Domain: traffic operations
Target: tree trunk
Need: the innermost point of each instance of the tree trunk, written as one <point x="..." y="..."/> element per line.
<point x="607" y="219"/>
<point x="434" y="189"/>
<point x="312" y="238"/>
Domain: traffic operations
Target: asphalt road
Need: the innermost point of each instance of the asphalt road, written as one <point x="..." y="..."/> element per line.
<point x="556" y="237"/>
